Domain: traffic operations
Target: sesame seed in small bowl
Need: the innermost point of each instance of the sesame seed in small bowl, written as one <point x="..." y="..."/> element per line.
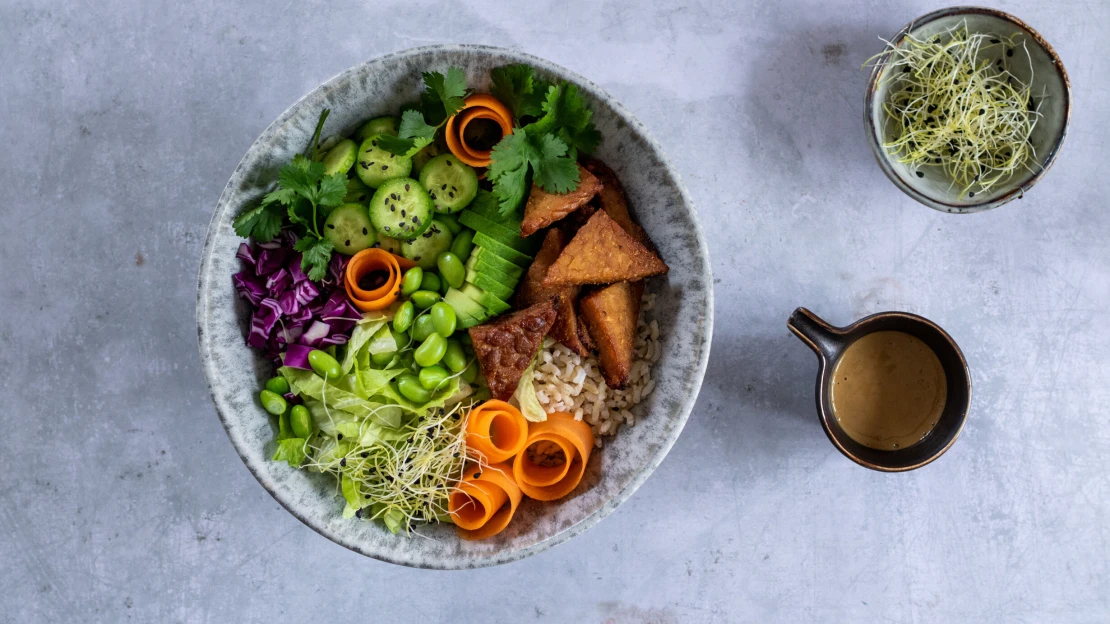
<point x="967" y="108"/>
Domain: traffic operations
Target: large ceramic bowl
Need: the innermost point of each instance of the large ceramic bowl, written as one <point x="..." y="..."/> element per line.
<point x="1043" y="69"/>
<point x="684" y="310"/>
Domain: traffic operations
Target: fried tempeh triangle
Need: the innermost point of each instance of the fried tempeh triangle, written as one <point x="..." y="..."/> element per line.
<point x="603" y="253"/>
<point x="532" y="291"/>
<point x="507" y="345"/>
<point x="611" y="315"/>
<point x="611" y="199"/>
<point x="545" y="208"/>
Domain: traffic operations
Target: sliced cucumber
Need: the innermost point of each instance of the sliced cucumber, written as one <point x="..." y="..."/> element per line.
<point x="423" y="156"/>
<point x="491" y="285"/>
<point x="349" y="229"/>
<point x="451" y="183"/>
<point x="324" y="145"/>
<point x="401" y="208"/>
<point x="495" y="261"/>
<point x="378" y="125"/>
<point x="340" y="158"/>
<point x="492" y="303"/>
<point x="392" y="245"/>
<point x="473" y="264"/>
<point x="357" y="192"/>
<point x="497" y="232"/>
<point x="375" y="165"/>
<point x="488" y="244"/>
<point x="425" y="249"/>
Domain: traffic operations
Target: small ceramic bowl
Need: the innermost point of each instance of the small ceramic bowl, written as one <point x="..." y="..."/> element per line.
<point x="683" y="310"/>
<point x="1049" y="77"/>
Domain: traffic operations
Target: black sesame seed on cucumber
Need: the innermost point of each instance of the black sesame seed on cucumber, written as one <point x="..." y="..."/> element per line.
<point x="424" y="250"/>
<point x="349" y="229"/>
<point x="378" y="125"/>
<point x="450" y="183"/>
<point x="401" y="208"/>
<point x="375" y="165"/>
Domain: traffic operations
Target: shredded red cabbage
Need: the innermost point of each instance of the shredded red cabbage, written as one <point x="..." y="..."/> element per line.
<point x="291" y="314"/>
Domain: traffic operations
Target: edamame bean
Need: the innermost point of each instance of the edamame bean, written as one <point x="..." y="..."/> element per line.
<point x="451" y="221"/>
<point x="454" y="358"/>
<point x="451" y="268"/>
<point x="430" y="282"/>
<point x="431" y="350"/>
<point x="382" y="359"/>
<point x="432" y="376"/>
<point x="424" y="299"/>
<point x="275" y="403"/>
<point x="471" y="372"/>
<point x="443" y="318"/>
<point x="463" y="244"/>
<point x="402" y="320"/>
<point x="300" y="421"/>
<point x="407" y="360"/>
<point x="284" y="430"/>
<point x="278" y="385"/>
<point x="408" y="384"/>
<point x="401" y="338"/>
<point x="410" y="283"/>
<point x="423" y="327"/>
<point x="324" y="364"/>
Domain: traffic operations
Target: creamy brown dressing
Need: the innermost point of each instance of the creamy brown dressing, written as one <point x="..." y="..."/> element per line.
<point x="888" y="390"/>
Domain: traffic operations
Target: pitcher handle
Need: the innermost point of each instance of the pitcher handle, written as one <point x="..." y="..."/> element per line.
<point x="823" y="338"/>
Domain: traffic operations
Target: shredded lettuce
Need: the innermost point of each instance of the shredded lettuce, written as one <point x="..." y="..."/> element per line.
<point x="365" y="330"/>
<point x="290" y="450"/>
<point x="525" y="395"/>
<point x="308" y="384"/>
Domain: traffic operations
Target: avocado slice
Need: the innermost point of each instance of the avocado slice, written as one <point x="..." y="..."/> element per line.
<point x="475" y="265"/>
<point x="508" y="253"/>
<point x="498" y="289"/>
<point x="497" y="232"/>
<point x="468" y="311"/>
<point x="494" y="261"/>
<point x="491" y="302"/>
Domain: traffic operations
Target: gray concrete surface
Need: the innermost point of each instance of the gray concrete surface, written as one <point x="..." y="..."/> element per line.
<point x="121" y="498"/>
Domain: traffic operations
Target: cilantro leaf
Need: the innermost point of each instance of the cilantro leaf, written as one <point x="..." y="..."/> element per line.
<point x="281" y="196"/>
<point x="262" y="222"/>
<point x="518" y="88"/>
<point x="555" y="171"/>
<point x="585" y="140"/>
<point x="448" y="90"/>
<point x="403" y="147"/>
<point x="413" y="126"/>
<point x="332" y="190"/>
<point x="300" y="175"/>
<point x="414" y="134"/>
<point x="509" y="170"/>
<point x="315" y="255"/>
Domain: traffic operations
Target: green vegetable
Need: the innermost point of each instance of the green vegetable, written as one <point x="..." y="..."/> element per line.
<point x="431" y="350"/>
<point x="526" y="395"/>
<point x="546" y="150"/>
<point x="463" y="244"/>
<point x="432" y="376"/>
<point x="278" y="385"/>
<point x="290" y="450"/>
<point x="442" y="97"/>
<point x="367" y="332"/>
<point x="451" y="221"/>
<point x="454" y="357"/>
<point x="443" y="318"/>
<point x="424" y="299"/>
<point x="324" y="364"/>
<point x="423" y="327"/>
<point x="517" y="87"/>
<point x="411" y="281"/>
<point x="430" y="282"/>
<point x="340" y="158"/>
<point x="304" y="198"/>
<point x="409" y="386"/>
<point x="451" y="268"/>
<point x="382" y="359"/>
<point x="402" y="320"/>
<point x="471" y="373"/>
<point x="378" y="125"/>
<point x="300" y="421"/>
<point x="274" y="403"/>
<point x="955" y="114"/>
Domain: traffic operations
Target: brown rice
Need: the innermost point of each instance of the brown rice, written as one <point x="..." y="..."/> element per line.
<point x="567" y="382"/>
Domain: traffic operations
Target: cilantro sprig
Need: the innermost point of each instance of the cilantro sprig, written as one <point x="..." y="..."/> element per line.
<point x="305" y="197"/>
<point x="545" y="150"/>
<point x="442" y="97"/>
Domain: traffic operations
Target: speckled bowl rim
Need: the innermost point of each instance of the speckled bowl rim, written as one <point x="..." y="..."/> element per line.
<point x="1022" y="187"/>
<point x="679" y="418"/>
